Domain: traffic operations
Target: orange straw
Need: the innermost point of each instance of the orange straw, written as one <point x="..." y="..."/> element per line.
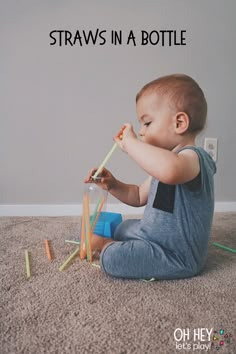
<point x="87" y="228"/>
<point x="46" y="242"/>
<point x="82" y="234"/>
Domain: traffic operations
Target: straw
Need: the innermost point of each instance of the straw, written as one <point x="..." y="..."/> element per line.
<point x="82" y="234"/>
<point x="27" y="264"/>
<point x="96" y="265"/>
<point x="120" y="136"/>
<point x="71" y="241"/>
<point x="87" y="228"/>
<point x="105" y="161"/>
<point x="62" y="267"/>
<point x="48" y="250"/>
<point x="148" y="280"/>
<point x="224" y="247"/>
<point x="97" y="214"/>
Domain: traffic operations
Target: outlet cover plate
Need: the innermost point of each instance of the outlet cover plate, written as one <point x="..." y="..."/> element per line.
<point x="211" y="147"/>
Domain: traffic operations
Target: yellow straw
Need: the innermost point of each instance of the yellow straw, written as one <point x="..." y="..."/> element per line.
<point x="69" y="259"/>
<point x="27" y="264"/>
<point x="96" y="265"/>
<point x="104" y="161"/>
<point x="120" y="136"/>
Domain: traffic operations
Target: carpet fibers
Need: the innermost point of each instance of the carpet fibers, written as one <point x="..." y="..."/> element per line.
<point x="81" y="310"/>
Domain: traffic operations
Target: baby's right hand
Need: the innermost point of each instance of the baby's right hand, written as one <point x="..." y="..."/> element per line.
<point x="105" y="180"/>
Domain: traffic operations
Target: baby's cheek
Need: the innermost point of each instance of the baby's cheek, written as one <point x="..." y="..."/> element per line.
<point x="150" y="139"/>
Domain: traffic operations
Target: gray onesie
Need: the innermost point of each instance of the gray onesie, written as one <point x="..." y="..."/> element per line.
<point x="171" y="240"/>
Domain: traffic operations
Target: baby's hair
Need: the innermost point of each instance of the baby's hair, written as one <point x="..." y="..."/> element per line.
<point x="183" y="94"/>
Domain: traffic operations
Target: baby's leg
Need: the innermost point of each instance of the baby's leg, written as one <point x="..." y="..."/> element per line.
<point x="139" y="259"/>
<point x="127" y="230"/>
<point x="129" y="259"/>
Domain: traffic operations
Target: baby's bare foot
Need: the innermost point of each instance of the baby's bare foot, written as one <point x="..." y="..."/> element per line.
<point x="98" y="242"/>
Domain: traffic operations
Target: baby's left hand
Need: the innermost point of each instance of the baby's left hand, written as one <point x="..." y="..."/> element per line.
<point x="128" y="133"/>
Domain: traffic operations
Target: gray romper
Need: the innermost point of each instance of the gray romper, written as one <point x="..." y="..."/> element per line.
<point x="171" y="240"/>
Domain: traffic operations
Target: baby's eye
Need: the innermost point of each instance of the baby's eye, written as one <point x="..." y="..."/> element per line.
<point x="147" y="124"/>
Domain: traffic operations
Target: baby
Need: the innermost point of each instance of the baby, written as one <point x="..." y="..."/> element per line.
<point x="170" y="241"/>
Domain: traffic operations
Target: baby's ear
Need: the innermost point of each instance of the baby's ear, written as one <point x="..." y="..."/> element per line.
<point x="181" y="122"/>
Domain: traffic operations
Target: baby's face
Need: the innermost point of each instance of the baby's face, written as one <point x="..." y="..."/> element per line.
<point x="157" y="123"/>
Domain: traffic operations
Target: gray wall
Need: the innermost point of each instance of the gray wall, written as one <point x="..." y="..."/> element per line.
<point x="60" y="106"/>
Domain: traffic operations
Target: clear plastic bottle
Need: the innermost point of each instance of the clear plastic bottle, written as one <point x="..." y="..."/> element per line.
<point x="94" y="202"/>
<point x="97" y="198"/>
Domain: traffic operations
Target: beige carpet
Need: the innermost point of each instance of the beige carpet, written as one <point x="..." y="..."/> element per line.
<point x="81" y="310"/>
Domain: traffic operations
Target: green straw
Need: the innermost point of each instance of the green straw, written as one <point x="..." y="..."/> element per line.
<point x="71" y="241"/>
<point x="95" y="213"/>
<point x="62" y="267"/>
<point x="148" y="280"/>
<point x="224" y="247"/>
<point x="27" y="264"/>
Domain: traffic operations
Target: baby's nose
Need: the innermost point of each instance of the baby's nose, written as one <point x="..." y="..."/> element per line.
<point x="141" y="131"/>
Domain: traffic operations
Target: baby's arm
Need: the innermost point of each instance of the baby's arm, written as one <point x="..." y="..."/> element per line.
<point x="162" y="164"/>
<point x="127" y="193"/>
<point x="130" y="194"/>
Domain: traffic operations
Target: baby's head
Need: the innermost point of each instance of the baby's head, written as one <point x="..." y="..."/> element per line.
<point x="182" y="94"/>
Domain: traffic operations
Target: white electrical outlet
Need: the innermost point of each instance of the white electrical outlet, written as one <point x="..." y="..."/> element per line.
<point x="210" y="145"/>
